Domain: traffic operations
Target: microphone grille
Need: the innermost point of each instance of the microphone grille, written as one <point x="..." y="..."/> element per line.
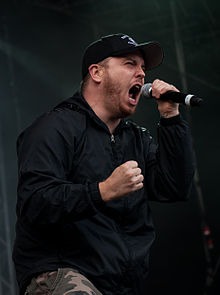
<point x="146" y="90"/>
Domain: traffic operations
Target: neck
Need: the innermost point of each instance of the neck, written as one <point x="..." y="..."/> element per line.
<point x="96" y="103"/>
<point x="112" y="124"/>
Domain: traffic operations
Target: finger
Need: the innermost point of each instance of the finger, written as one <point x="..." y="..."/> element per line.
<point x="138" y="186"/>
<point x="137" y="179"/>
<point x="136" y="171"/>
<point x="131" y="164"/>
<point x="157" y="87"/>
<point x="141" y="178"/>
<point x="160" y="87"/>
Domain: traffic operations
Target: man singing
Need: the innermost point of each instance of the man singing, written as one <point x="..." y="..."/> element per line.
<point x="86" y="176"/>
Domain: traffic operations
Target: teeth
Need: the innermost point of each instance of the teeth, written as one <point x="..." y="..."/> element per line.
<point x="137" y="86"/>
<point x="132" y="98"/>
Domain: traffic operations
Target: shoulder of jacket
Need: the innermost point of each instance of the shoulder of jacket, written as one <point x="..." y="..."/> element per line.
<point x="65" y="105"/>
<point x="72" y="109"/>
<point x="134" y="125"/>
<point x="144" y="132"/>
<point x="61" y="120"/>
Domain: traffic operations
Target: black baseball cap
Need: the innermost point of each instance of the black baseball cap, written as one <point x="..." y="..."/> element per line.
<point x="120" y="44"/>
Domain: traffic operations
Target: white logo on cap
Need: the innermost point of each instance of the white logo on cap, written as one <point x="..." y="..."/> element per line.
<point x="130" y="40"/>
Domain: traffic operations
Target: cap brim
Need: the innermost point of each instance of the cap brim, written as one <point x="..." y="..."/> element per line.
<point x="152" y="53"/>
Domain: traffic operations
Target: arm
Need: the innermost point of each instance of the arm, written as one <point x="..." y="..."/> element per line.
<point x="170" y="168"/>
<point x="45" y="193"/>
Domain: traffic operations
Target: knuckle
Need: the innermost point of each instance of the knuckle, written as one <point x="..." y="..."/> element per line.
<point x="156" y="81"/>
<point x="134" y="164"/>
<point x="141" y="185"/>
<point x="138" y="171"/>
<point x="128" y="173"/>
<point x="129" y="164"/>
<point x="124" y="165"/>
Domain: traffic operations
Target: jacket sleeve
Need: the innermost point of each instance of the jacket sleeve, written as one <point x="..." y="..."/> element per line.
<point x="45" y="193"/>
<point x="170" y="165"/>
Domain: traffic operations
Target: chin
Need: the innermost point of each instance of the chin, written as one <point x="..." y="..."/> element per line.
<point x="127" y="112"/>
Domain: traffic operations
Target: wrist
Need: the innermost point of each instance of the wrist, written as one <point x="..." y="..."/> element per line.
<point x="105" y="192"/>
<point x="167" y="114"/>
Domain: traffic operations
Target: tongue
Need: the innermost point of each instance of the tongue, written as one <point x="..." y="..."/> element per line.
<point x="131" y="96"/>
<point x="132" y="100"/>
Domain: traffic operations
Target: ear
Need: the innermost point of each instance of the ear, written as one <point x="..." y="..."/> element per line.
<point x="96" y="72"/>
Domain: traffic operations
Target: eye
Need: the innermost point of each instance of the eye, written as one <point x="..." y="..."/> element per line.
<point x="129" y="63"/>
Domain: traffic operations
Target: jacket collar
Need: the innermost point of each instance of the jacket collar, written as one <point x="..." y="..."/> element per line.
<point x="78" y="103"/>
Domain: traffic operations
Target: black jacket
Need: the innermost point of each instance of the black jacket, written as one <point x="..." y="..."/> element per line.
<point x="61" y="218"/>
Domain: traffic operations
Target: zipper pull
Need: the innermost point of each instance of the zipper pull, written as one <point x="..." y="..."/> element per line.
<point x="112" y="138"/>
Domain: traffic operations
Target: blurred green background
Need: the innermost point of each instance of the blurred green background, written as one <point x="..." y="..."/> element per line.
<point x="41" y="47"/>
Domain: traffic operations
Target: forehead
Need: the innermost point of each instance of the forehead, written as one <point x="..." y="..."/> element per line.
<point x="137" y="56"/>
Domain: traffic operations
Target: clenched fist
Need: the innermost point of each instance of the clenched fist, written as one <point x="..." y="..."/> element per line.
<point x="124" y="180"/>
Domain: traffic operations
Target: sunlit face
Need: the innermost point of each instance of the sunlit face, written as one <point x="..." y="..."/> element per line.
<point x="122" y="82"/>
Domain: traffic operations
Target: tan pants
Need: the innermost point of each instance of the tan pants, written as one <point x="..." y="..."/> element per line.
<point x="64" y="281"/>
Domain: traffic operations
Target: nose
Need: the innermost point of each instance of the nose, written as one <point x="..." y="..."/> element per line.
<point x="140" y="72"/>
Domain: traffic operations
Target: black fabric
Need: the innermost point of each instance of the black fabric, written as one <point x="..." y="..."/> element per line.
<point x="61" y="218"/>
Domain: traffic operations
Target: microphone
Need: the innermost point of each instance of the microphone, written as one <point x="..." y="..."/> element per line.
<point x="174" y="96"/>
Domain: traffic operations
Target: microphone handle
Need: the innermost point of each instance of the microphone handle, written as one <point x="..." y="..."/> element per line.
<point x="179" y="97"/>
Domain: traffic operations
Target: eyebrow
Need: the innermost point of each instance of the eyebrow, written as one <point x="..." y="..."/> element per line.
<point x="134" y="60"/>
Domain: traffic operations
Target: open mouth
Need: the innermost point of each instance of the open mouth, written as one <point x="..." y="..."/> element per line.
<point x="134" y="91"/>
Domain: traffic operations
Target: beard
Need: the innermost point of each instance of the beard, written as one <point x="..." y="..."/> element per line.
<point x="114" y="98"/>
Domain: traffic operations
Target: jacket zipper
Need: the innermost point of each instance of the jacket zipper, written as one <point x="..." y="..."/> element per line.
<point x="112" y="138"/>
<point x="120" y="230"/>
<point x="114" y="153"/>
